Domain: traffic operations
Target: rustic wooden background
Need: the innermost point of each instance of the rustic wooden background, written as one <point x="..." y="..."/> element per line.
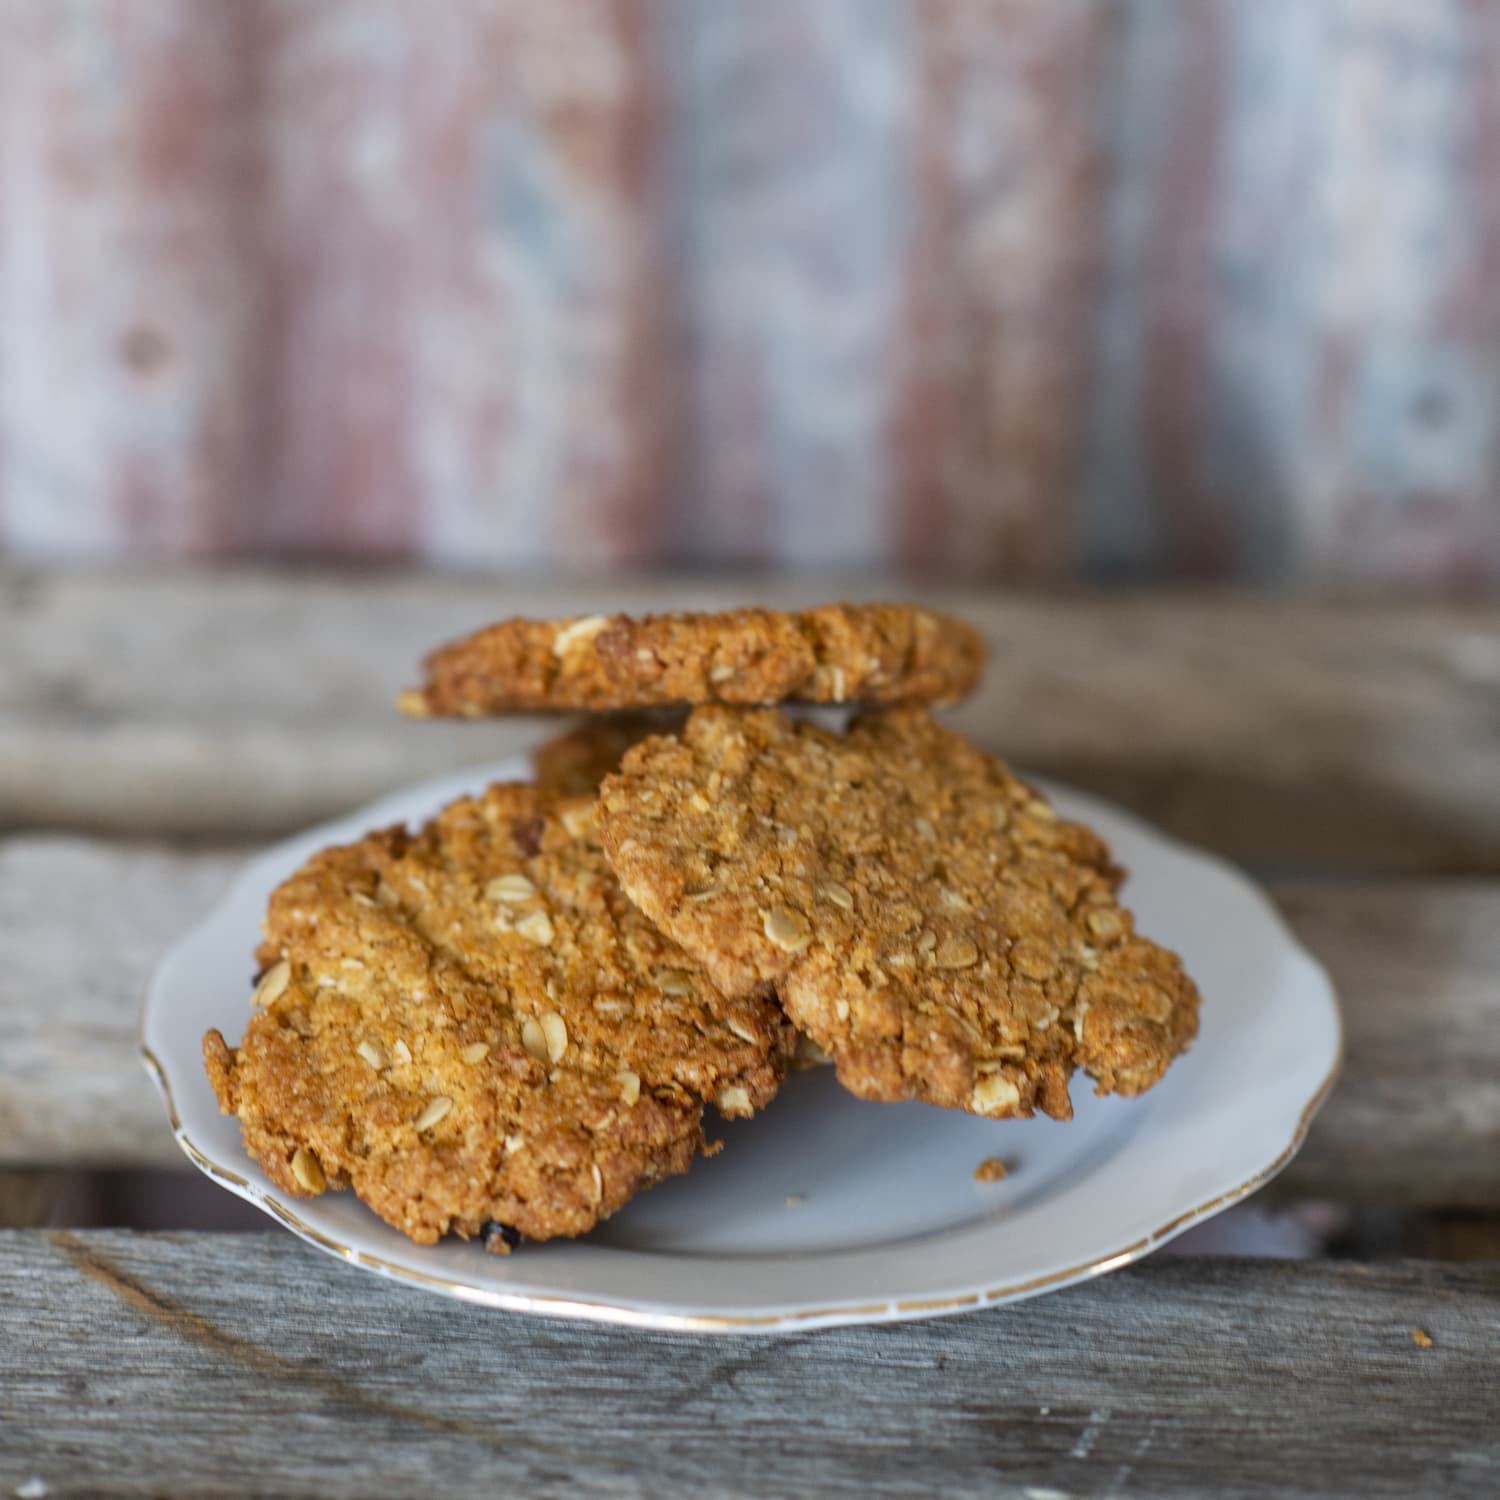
<point x="1038" y="288"/>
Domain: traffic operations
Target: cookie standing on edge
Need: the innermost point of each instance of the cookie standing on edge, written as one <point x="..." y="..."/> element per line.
<point x="836" y="653"/>
<point x="925" y="916"/>
<point x="474" y="1027"/>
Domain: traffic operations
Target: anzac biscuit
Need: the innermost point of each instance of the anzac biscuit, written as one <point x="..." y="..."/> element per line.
<point x="836" y="653"/>
<point x="473" y="1027"/>
<point x="576" y="762"/>
<point x="925" y="916"/>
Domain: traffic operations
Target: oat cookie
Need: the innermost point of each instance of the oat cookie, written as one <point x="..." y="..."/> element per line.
<point x="575" y="762"/>
<point x="836" y="653"/>
<point x="474" y="1027"/>
<point x="926" y="917"/>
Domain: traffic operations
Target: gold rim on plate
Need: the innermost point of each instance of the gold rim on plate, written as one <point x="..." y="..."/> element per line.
<point x="611" y="1312"/>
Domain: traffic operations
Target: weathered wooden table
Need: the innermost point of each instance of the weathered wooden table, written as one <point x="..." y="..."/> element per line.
<point x="154" y="728"/>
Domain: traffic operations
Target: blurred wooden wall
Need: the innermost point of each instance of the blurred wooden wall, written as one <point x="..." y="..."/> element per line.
<point x="1036" y="288"/>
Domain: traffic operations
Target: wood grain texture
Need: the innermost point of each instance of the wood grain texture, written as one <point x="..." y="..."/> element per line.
<point x="1326" y="734"/>
<point x="1415" y="1120"/>
<point x="248" y="1364"/>
<point x="1086" y="288"/>
<point x="72" y="1087"/>
<point x="1414" y="964"/>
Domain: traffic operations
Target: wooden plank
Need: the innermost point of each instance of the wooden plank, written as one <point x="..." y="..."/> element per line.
<point x="189" y="1364"/>
<point x="1295" y="731"/>
<point x="80" y="930"/>
<point x="1416" y="1119"/>
<point x="1416" y="1116"/>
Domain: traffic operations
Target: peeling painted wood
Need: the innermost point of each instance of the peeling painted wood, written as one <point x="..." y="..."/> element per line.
<point x="1093" y="288"/>
<point x="332" y="280"/>
<point x="993" y="353"/>
<point x="128" y="264"/>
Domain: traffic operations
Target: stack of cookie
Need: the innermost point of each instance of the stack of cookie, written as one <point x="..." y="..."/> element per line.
<point x="509" y="1022"/>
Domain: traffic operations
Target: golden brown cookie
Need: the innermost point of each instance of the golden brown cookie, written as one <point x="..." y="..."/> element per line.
<point x="926" y="917"/>
<point x="836" y="653"/>
<point x="575" y="762"/>
<point x="474" y="1027"/>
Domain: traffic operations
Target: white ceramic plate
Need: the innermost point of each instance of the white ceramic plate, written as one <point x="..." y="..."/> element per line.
<point x="827" y="1209"/>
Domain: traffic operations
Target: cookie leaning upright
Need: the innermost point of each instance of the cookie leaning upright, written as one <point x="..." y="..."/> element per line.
<point x="924" y="915"/>
<point x="473" y="1026"/>
<point x="835" y="653"/>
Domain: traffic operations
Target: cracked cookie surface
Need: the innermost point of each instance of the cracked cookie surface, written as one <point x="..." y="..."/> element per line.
<point x="473" y="1027"/>
<point x="835" y="653"/>
<point x="925" y="916"/>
